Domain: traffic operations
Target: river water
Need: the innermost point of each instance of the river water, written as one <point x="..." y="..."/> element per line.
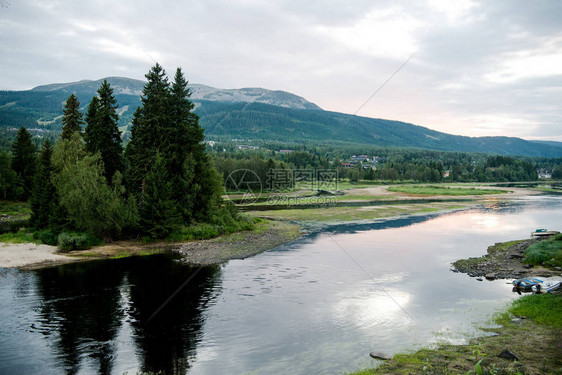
<point x="318" y="305"/>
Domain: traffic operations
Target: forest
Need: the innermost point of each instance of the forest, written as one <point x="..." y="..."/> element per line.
<point x="164" y="181"/>
<point x="86" y="186"/>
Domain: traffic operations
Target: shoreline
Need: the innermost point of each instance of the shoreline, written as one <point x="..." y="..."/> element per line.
<point x="503" y="260"/>
<point x="245" y="244"/>
<point x="266" y="236"/>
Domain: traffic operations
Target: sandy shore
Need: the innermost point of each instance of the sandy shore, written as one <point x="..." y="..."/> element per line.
<point x="30" y="255"/>
<point x="265" y="236"/>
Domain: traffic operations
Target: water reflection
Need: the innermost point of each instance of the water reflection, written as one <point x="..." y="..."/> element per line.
<point x="302" y="308"/>
<point x="84" y="306"/>
<point x="167" y="342"/>
<point x="80" y="309"/>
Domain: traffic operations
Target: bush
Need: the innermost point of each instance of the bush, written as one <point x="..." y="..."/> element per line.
<point x="76" y="241"/>
<point x="47" y="236"/>
<point x="544" y="251"/>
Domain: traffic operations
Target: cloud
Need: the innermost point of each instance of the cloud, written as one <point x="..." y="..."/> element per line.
<point x="480" y="68"/>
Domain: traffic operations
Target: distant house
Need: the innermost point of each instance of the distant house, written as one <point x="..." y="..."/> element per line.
<point x="347" y="165"/>
<point x="544" y="173"/>
<point x="446" y="174"/>
<point x="285" y="151"/>
<point x="360" y="158"/>
<point x="246" y="147"/>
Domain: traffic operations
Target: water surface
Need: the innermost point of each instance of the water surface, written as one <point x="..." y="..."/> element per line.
<point x="318" y="305"/>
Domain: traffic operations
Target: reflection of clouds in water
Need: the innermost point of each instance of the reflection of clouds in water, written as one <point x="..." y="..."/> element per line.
<point x="368" y="308"/>
<point x="491" y="223"/>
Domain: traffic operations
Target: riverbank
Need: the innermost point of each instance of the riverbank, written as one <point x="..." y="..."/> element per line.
<point x="355" y="205"/>
<point x="265" y="236"/>
<point x="504" y="261"/>
<point x="523" y="343"/>
<point x="380" y="202"/>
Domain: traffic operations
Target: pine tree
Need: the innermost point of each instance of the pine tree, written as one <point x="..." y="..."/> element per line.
<point x="91" y="119"/>
<point x="8" y="178"/>
<point x="23" y="162"/>
<point x="159" y="216"/>
<point x="43" y="198"/>
<point x="150" y="125"/>
<point x="102" y="132"/>
<point x="181" y="144"/>
<point x="72" y="117"/>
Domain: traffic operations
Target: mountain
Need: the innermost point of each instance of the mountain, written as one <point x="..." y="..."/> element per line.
<point x="259" y="121"/>
<point x="258" y="114"/>
<point x="128" y="86"/>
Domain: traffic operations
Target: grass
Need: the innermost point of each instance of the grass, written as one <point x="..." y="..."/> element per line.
<point x="443" y="190"/>
<point x="205" y="231"/>
<point x="503" y="246"/>
<point x="326" y="214"/>
<point x="545" y="309"/>
<point x="21" y="236"/>
<point x="11" y="208"/>
<point x="547" y="251"/>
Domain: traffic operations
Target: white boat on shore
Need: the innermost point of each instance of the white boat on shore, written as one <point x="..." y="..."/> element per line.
<point x="543" y="233"/>
<point x="547" y="286"/>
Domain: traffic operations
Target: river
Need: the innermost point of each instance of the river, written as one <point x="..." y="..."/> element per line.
<point x="318" y="305"/>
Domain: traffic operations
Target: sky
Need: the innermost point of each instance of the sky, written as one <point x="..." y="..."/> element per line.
<point x="475" y="68"/>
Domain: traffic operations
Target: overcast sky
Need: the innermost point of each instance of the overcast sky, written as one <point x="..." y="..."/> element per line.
<point x="479" y="68"/>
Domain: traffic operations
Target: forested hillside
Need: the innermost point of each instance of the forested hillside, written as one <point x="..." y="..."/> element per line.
<point x="248" y="114"/>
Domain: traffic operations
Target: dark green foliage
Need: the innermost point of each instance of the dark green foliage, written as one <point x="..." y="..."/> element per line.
<point x="102" y="132"/>
<point x="23" y="162"/>
<point x="150" y="127"/>
<point x="557" y="173"/>
<point x="91" y="204"/>
<point x="158" y="212"/>
<point x="547" y="251"/>
<point x="43" y="198"/>
<point x="9" y="187"/>
<point x="165" y="125"/>
<point x="72" y="117"/>
<point x="46" y="236"/>
<point x="193" y="183"/>
<point x="76" y="241"/>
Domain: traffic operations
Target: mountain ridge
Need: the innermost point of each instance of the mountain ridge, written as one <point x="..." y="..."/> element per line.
<point x="131" y="86"/>
<point x="258" y="114"/>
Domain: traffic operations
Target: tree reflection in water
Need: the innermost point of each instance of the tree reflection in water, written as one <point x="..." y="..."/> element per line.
<point x="84" y="305"/>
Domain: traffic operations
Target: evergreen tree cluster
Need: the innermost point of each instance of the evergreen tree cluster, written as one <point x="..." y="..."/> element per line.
<point x="88" y="182"/>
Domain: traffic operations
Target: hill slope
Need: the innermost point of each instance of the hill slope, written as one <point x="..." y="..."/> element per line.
<point x="254" y="114"/>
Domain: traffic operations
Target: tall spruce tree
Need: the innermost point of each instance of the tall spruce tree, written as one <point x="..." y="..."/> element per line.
<point x="166" y="126"/>
<point x="181" y="147"/>
<point x="199" y="196"/>
<point x="158" y="212"/>
<point x="72" y="117"/>
<point x="102" y="133"/>
<point x="150" y="125"/>
<point x="43" y="197"/>
<point x="23" y="162"/>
